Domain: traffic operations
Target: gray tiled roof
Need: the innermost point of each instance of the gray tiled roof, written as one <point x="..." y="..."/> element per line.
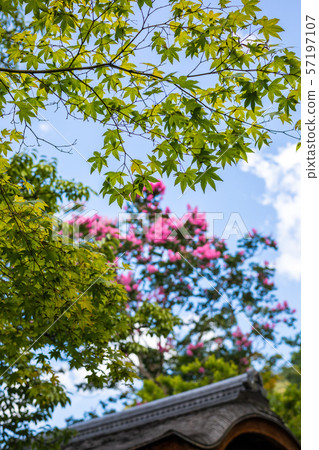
<point x="202" y="416"/>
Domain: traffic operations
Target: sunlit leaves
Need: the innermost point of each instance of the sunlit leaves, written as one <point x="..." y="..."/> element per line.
<point x="269" y="27"/>
<point x="189" y="80"/>
<point x="59" y="299"/>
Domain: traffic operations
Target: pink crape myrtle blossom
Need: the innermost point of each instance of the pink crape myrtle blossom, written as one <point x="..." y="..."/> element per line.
<point x="173" y="257"/>
<point x="206" y="252"/>
<point x="178" y="284"/>
<point x="151" y="268"/>
<point x="191" y="347"/>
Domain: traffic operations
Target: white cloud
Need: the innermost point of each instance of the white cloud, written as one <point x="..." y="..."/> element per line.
<point x="45" y="126"/>
<point x="281" y="174"/>
<point x="70" y="378"/>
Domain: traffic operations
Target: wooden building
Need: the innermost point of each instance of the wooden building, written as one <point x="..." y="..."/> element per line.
<point x="229" y="415"/>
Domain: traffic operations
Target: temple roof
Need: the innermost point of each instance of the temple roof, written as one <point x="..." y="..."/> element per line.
<point x="201" y="416"/>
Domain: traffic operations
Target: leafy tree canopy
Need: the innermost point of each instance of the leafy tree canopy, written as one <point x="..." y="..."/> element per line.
<point x="27" y="170"/>
<point x="60" y="305"/>
<point x="196" y="86"/>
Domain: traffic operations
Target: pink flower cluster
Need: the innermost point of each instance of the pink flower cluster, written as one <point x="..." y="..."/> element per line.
<point x="270" y="242"/>
<point x="266" y="282"/>
<point x="197" y="219"/>
<point x="126" y="279"/>
<point x="96" y="225"/>
<point x="191" y="347"/>
<point x="133" y="239"/>
<point x="128" y="282"/>
<point x="219" y="341"/>
<point x="169" y="345"/>
<point x="151" y="268"/>
<point x="206" y="252"/>
<point x="242" y="340"/>
<point x="172" y="256"/>
<point x="158" y="187"/>
<point x="280" y="307"/>
<point x="160" y="231"/>
<point x="267" y="240"/>
<point x="268" y="326"/>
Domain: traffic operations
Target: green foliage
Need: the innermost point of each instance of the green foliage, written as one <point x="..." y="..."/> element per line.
<point x="286" y="402"/>
<point x="59" y="304"/>
<point x="192" y="375"/>
<point x="40" y="180"/>
<point x="201" y="85"/>
<point x="284" y="390"/>
<point x="11" y="22"/>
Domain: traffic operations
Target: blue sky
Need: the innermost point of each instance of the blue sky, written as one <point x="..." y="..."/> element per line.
<point x="265" y="192"/>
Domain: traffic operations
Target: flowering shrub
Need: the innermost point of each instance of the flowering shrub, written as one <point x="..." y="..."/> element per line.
<point x="191" y="297"/>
